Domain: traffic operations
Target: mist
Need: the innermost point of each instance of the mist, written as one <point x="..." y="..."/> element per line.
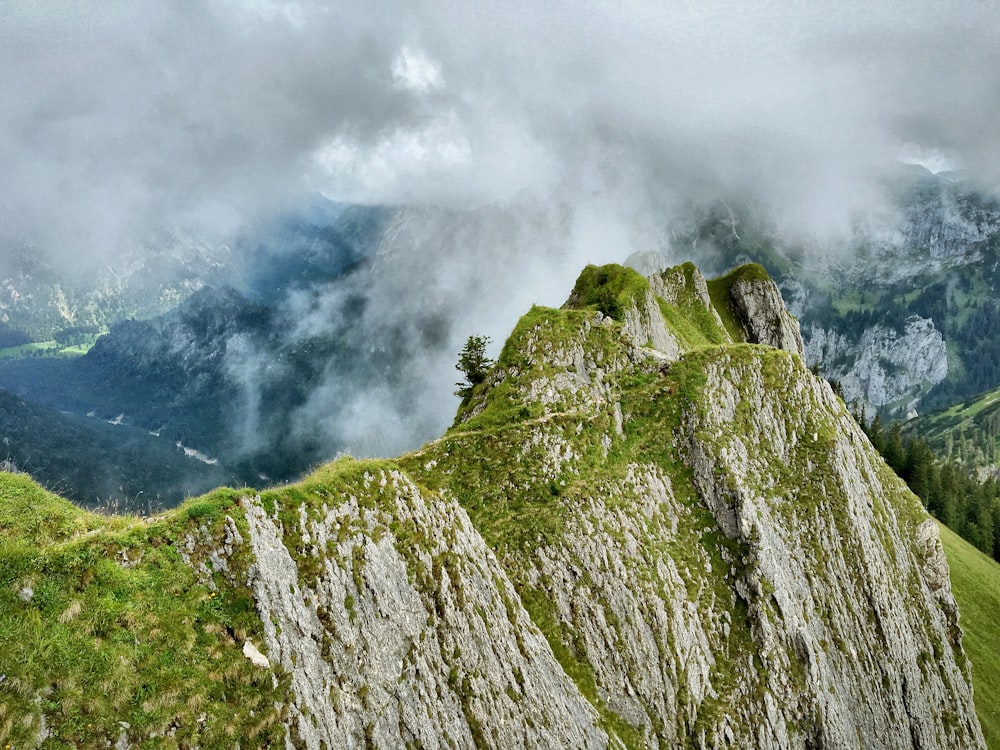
<point x="521" y="142"/>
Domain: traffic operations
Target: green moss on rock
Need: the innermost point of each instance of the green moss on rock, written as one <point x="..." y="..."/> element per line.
<point x="610" y="289"/>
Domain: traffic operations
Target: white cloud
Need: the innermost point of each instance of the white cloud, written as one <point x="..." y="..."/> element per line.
<point x="148" y="113"/>
<point x="412" y="69"/>
<point x="397" y="166"/>
<point x="565" y="131"/>
<point x="930" y="159"/>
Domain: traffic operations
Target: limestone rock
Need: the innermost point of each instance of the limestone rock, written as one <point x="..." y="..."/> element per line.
<point x="863" y="640"/>
<point x="645" y="326"/>
<point x="885" y="367"/>
<point x="253" y="654"/>
<point x="760" y="309"/>
<point x="406" y="639"/>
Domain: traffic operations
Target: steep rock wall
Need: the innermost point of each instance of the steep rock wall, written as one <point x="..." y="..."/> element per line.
<point x="799" y="486"/>
<point x="763" y="314"/>
<point x="884" y="367"/>
<point x="756" y="577"/>
<point x="399" y="628"/>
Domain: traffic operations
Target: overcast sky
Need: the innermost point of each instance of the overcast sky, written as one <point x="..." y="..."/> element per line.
<point x="123" y="116"/>
<point x="577" y="125"/>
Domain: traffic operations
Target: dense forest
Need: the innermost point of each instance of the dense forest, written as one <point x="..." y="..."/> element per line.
<point x="951" y="491"/>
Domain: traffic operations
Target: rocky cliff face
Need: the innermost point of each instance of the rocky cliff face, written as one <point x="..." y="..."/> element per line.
<point x="885" y="367"/>
<point x="642" y="531"/>
<point x="942" y="221"/>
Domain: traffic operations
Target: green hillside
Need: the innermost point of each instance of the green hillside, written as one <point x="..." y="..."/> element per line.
<point x="975" y="581"/>
<point x="968" y="431"/>
<point x="105" y="625"/>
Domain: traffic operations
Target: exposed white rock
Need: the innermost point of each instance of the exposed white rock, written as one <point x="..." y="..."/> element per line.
<point x="645" y="326"/>
<point x="256" y="658"/>
<point x="845" y="575"/>
<point x="759" y="306"/>
<point x="419" y="639"/>
<point x="884" y="367"/>
<point x="650" y="639"/>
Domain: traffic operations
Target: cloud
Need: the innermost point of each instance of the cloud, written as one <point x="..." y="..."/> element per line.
<point x="141" y="113"/>
<point x="413" y="70"/>
<point x="527" y="138"/>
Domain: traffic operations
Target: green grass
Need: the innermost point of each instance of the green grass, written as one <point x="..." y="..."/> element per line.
<point x="975" y="581"/>
<point x="78" y="350"/>
<point x="968" y="408"/>
<point x="610" y="289"/>
<point x="25" y="349"/>
<point x="857" y="300"/>
<point x="49" y="349"/>
<point x="525" y="357"/>
<point x="968" y="431"/>
<point x="687" y="317"/>
<point x="102" y="621"/>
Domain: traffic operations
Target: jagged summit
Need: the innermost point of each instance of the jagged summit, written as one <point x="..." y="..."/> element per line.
<point x="743" y="306"/>
<point x="650" y="526"/>
<point x="660" y="317"/>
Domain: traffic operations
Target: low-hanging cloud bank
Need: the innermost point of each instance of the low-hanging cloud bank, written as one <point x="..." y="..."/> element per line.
<point x="587" y="121"/>
<point x="122" y="117"/>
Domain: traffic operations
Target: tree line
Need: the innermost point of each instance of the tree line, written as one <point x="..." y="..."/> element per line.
<point x="949" y="490"/>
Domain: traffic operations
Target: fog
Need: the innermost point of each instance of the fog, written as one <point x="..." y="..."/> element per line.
<point x="526" y="141"/>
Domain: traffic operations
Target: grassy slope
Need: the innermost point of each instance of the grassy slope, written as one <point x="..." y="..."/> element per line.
<point x="968" y="431"/>
<point x="101" y="622"/>
<point x="975" y="580"/>
<point x="49" y="349"/>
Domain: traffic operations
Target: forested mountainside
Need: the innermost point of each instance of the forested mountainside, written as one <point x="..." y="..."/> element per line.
<point x="175" y="368"/>
<point x="904" y="314"/>
<point x="968" y="432"/>
<point x="650" y="526"/>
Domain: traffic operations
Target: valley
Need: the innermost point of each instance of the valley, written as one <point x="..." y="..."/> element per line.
<point x="267" y="371"/>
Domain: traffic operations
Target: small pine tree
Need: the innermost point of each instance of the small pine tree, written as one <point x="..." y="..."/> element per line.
<point x="473" y="362"/>
<point x="892" y="450"/>
<point x="875" y="433"/>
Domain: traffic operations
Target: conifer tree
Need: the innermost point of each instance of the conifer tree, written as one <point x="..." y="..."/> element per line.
<point x="473" y="363"/>
<point x="893" y="451"/>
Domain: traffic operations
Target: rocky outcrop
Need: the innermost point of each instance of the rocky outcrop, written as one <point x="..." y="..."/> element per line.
<point x="861" y="643"/>
<point x="761" y="578"/>
<point x="645" y="326"/>
<point x="885" y="367"/>
<point x="759" y="308"/>
<point x="404" y="638"/>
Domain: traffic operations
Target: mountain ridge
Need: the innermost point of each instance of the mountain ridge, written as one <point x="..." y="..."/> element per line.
<point x="760" y="577"/>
